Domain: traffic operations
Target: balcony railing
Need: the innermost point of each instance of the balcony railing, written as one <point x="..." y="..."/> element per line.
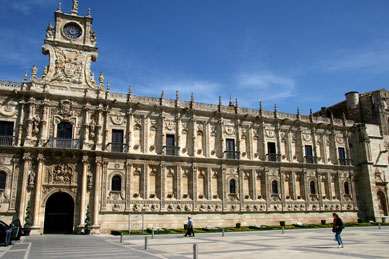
<point x="274" y="157"/>
<point x="7" y="141"/>
<point x="344" y="161"/>
<point x="64" y="143"/>
<point x="232" y="154"/>
<point x="117" y="147"/>
<point x="311" y="159"/>
<point x="172" y="151"/>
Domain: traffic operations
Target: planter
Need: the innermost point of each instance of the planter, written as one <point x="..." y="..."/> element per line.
<point x="323" y="221"/>
<point x="282" y="223"/>
<point x="87" y="231"/>
<point x="237" y="225"/>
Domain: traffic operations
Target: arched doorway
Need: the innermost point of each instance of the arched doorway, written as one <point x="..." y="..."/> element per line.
<point x="59" y="214"/>
<point x="382" y="203"/>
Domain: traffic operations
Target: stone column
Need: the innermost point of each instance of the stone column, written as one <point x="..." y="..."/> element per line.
<point x="293" y="181"/>
<point x="325" y="155"/>
<point x="179" y="184"/>
<point x="240" y="172"/>
<point x="85" y="162"/>
<point x="37" y="202"/>
<point x="99" y="126"/>
<point x="250" y="149"/>
<point x="208" y="178"/>
<point x="253" y="184"/>
<point x="221" y="125"/>
<point x="224" y="188"/>
<point x="263" y="142"/>
<point x="30" y="103"/>
<point x="105" y="126"/>
<point x="207" y="136"/>
<point x="282" y="188"/>
<point x="163" y="139"/>
<point x="20" y="124"/>
<point x="313" y="133"/>
<point x="146" y="128"/>
<point x="127" y="168"/>
<point x="194" y="186"/>
<point x="334" y="147"/>
<point x="23" y="189"/>
<point x="278" y="137"/>
<point x="290" y="153"/>
<point x="85" y="141"/>
<point x="162" y="185"/>
<point x="194" y="153"/>
<point x="43" y="135"/>
<point x="178" y="132"/>
<point x="97" y="190"/>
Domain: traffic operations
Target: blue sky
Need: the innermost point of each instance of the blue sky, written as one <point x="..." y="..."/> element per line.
<point x="305" y="53"/>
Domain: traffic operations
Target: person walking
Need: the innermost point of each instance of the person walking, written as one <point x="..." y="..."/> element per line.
<point x="337" y="228"/>
<point x="189" y="227"/>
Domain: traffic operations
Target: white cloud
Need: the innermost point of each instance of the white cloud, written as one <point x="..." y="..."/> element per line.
<point x="264" y="86"/>
<point x="25" y="6"/>
<point x="374" y="59"/>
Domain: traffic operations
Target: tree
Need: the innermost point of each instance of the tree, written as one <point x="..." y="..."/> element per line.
<point x="27" y="220"/>
<point x="87" y="219"/>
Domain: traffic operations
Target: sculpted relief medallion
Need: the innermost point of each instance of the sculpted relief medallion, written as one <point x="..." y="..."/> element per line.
<point x="8" y="109"/>
<point x="229" y="130"/>
<point x="60" y="174"/>
<point x="170" y="125"/>
<point x="117" y="119"/>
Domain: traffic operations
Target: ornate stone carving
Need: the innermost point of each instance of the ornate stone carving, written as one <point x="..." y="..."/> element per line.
<point x="270" y="133"/>
<point x="8" y="109"/>
<point x="339" y="140"/>
<point x="50" y="32"/>
<point x="60" y="174"/>
<point x="306" y="136"/>
<point x="170" y="125"/>
<point x="229" y="130"/>
<point x="117" y="119"/>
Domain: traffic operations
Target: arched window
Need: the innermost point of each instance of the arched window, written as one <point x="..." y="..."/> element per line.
<point x="232" y="186"/>
<point x="3" y="177"/>
<point x="116" y="183"/>
<point x="312" y="187"/>
<point x="274" y="187"/>
<point x="346" y="188"/>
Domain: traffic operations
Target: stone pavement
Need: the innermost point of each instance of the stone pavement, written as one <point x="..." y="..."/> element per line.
<point x="367" y="242"/>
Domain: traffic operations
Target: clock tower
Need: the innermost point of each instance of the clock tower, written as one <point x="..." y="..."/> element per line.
<point x="71" y="46"/>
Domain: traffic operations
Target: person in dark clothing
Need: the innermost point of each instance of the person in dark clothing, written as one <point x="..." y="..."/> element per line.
<point x="190" y="227"/>
<point x="337" y="228"/>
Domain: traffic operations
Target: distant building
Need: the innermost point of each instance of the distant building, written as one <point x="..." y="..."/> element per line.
<point x="68" y="145"/>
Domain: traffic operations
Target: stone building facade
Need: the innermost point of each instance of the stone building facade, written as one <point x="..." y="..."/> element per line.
<point x="69" y="146"/>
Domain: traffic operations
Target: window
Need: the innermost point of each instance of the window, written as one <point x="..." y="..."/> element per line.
<point x="232" y="186"/>
<point x="312" y="187"/>
<point x="342" y="156"/>
<point x="274" y="187"/>
<point x="346" y="188"/>
<point x="116" y="183"/>
<point x="3" y="178"/>
<point x="64" y="130"/>
<point x="6" y="128"/>
<point x="309" y="158"/>
<point x="271" y="151"/>
<point x="170" y="145"/>
<point x="6" y="133"/>
<point x="230" y="148"/>
<point x="117" y="141"/>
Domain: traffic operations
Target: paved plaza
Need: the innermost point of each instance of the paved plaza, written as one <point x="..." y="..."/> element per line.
<point x="368" y="242"/>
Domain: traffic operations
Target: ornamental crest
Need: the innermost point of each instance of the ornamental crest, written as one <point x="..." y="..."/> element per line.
<point x="229" y="130"/>
<point x="8" y="109"/>
<point x="117" y="119"/>
<point x="306" y="137"/>
<point x="270" y="134"/>
<point x="339" y="140"/>
<point x="61" y="174"/>
<point x="170" y="125"/>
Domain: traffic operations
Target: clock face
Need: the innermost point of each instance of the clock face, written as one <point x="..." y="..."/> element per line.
<point x="72" y="31"/>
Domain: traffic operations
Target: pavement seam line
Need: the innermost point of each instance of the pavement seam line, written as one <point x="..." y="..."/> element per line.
<point x="112" y="242"/>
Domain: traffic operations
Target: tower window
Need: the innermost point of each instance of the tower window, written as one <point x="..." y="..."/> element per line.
<point x="274" y="187"/>
<point x="3" y="177"/>
<point x="312" y="187"/>
<point x="346" y="188"/>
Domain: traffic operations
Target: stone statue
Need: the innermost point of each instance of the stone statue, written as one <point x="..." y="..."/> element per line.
<point x="75" y="7"/>
<point x="50" y="31"/>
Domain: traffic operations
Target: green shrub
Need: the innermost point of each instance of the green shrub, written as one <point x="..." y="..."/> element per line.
<point x="27" y="220"/>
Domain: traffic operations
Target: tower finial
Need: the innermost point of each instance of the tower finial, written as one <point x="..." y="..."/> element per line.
<point x="108" y="86"/>
<point x="75" y="7"/>
<point x="89" y="13"/>
<point x="220" y="101"/>
<point x="192" y="98"/>
<point x="260" y="108"/>
<point x="298" y="113"/>
<point x="59" y="7"/>
<point x="25" y="76"/>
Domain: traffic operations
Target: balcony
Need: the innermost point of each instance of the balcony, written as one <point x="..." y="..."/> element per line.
<point x="273" y="157"/>
<point x="232" y="154"/>
<point x="7" y="141"/>
<point x="64" y="143"/>
<point x="344" y="161"/>
<point x="311" y="159"/>
<point x="172" y="151"/>
<point x="117" y="147"/>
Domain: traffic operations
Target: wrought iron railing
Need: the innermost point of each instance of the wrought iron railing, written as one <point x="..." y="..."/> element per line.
<point x="311" y="159"/>
<point x="274" y="157"/>
<point x="232" y="154"/>
<point x="64" y="143"/>
<point x="344" y="161"/>
<point x="117" y="147"/>
<point x="7" y="141"/>
<point x="172" y="151"/>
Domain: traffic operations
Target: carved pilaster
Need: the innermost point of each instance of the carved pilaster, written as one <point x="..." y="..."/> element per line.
<point x="99" y="128"/>
<point x="85" y="162"/>
<point x="194" y="186"/>
<point x="127" y="168"/>
<point x="38" y="187"/>
<point x="162" y="194"/>
<point x="293" y="181"/>
<point x="277" y="129"/>
<point x="85" y="144"/>
<point x="97" y="191"/>
<point x="224" y="187"/>
<point x="22" y="203"/>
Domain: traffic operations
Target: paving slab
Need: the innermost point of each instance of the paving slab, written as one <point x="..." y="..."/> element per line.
<point x="367" y="242"/>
